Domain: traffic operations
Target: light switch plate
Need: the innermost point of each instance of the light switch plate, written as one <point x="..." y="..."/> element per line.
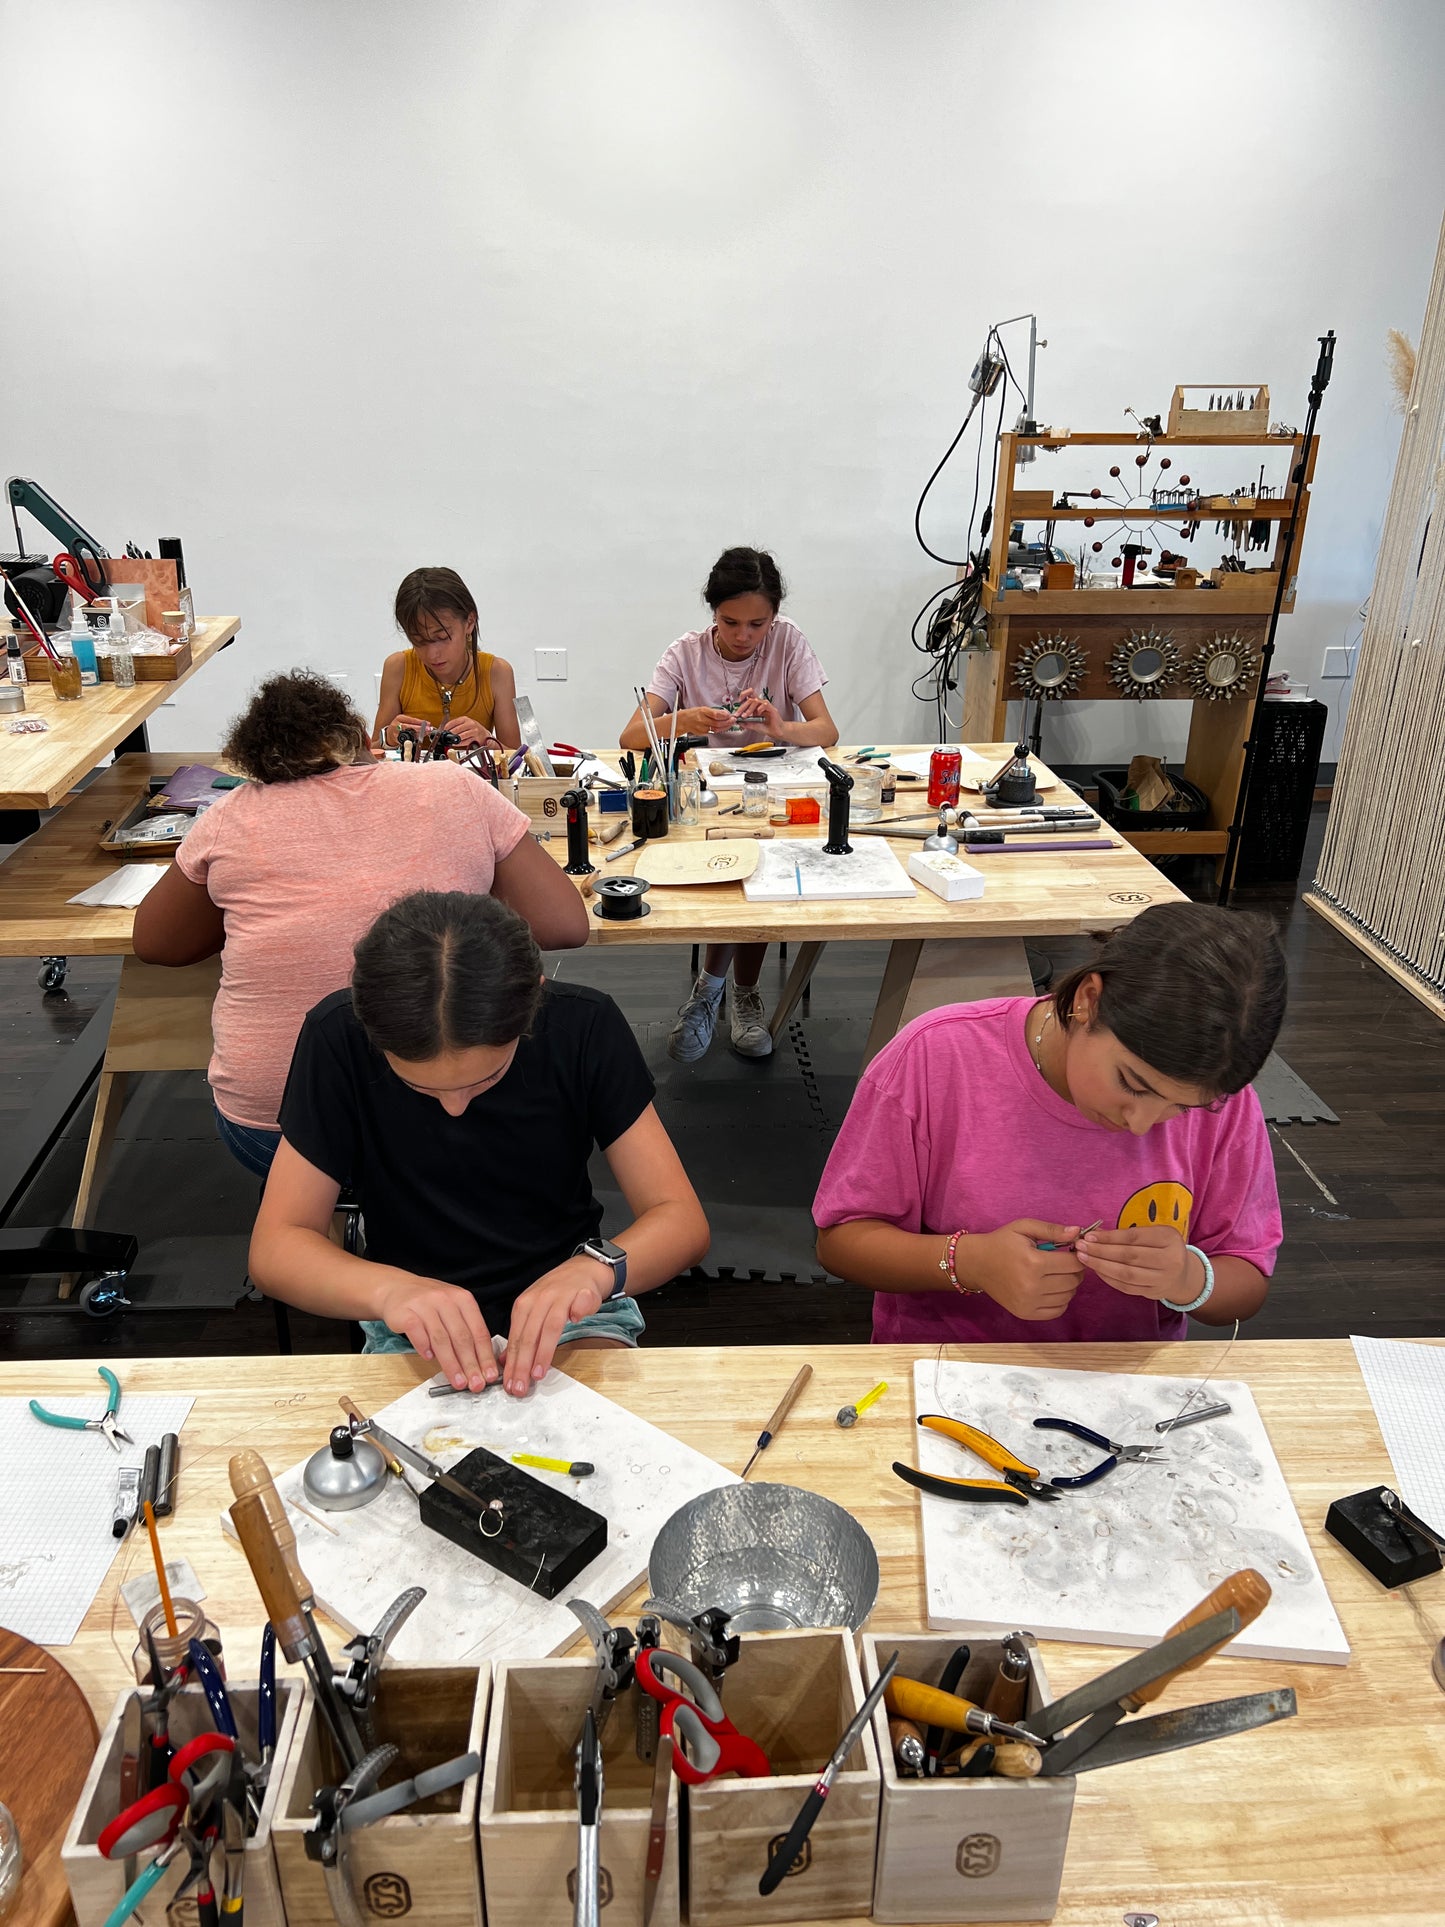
<point x="551" y="665"/>
<point x="1337" y="661"/>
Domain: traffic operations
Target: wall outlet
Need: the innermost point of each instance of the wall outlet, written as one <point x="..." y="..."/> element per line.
<point x="551" y="665"/>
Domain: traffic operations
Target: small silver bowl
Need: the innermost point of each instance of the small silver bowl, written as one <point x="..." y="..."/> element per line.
<point x="772" y="1556"/>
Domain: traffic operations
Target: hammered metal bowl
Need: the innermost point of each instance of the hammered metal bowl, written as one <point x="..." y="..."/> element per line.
<point x="772" y="1556"/>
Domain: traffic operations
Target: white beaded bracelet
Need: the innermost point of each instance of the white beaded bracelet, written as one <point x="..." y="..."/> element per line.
<point x="1195" y="1303"/>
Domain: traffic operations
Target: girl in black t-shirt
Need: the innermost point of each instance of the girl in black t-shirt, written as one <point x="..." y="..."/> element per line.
<point x="459" y="1095"/>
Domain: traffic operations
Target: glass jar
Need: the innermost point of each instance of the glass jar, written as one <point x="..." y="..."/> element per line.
<point x="65" y="678"/>
<point x="191" y="1623"/>
<point x="755" y="793"/>
<point x="867" y="796"/>
<point x="777" y="803"/>
<point x="687" y="790"/>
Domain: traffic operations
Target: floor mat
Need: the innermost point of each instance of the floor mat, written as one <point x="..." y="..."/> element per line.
<point x="1285" y="1098"/>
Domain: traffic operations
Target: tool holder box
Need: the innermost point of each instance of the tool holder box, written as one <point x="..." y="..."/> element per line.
<point x="965" y="1850"/>
<point x="528" y="1816"/>
<point x="794" y="1693"/>
<point x="421" y="1862"/>
<point x="96" y="1884"/>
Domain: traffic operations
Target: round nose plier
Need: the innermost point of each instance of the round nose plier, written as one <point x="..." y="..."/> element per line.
<point x="107" y="1423"/>
<point x="1016" y="1485"/>
<point x="1118" y="1454"/>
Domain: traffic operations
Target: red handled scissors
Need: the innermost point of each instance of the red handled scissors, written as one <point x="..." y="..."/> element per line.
<point x="694" y="1717"/>
<point x="72" y="573"/>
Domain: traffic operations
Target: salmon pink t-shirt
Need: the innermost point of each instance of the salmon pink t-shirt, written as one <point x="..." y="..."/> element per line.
<point x="953" y="1127"/>
<point x="301" y="870"/>
<point x="694" y="675"/>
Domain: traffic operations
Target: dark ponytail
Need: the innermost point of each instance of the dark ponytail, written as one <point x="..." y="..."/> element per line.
<point x="444" y="971"/>
<point x="744" y="572"/>
<point x="1196" y="992"/>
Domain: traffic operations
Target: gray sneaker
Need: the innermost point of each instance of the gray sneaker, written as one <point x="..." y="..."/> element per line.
<point x="696" y="1021"/>
<point x="751" y="1037"/>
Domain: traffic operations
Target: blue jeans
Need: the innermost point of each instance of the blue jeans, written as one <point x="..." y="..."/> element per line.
<point x="249" y="1146"/>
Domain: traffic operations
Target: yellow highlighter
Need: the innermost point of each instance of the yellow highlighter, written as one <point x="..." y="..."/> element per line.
<point x="850" y="1414"/>
<point x="572" y="1468"/>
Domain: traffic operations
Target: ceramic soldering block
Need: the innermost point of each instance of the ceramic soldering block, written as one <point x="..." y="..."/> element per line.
<point x="946" y="876"/>
<point x="546" y="1538"/>
<point x="1383" y="1544"/>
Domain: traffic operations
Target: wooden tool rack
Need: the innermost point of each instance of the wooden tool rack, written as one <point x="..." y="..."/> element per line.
<point x="1097" y="620"/>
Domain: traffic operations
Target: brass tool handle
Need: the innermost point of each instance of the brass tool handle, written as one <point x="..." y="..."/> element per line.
<point x="788" y="1401"/>
<point x="251" y="1476"/>
<point x="910" y="1699"/>
<point x="1247" y="1591"/>
<point x="272" y="1575"/>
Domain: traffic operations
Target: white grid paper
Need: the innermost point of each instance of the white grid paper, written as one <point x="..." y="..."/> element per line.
<point x="1406" y="1384"/>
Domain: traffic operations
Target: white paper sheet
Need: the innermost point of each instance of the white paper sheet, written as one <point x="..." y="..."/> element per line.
<point x="123" y="888"/>
<point x="1406" y="1384"/>
<point x="57" y="1500"/>
<point x="790" y="869"/>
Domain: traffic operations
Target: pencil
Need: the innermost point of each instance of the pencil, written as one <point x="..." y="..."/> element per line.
<point x="170" y="1610"/>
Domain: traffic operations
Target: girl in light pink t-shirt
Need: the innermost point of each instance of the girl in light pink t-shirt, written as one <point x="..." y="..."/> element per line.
<point x="749" y="677"/>
<point x="985" y="1137"/>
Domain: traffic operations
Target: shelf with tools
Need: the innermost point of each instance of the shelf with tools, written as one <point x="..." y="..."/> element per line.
<point x="1056" y="632"/>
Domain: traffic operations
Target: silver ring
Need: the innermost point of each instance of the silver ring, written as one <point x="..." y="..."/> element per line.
<point x="493" y="1512"/>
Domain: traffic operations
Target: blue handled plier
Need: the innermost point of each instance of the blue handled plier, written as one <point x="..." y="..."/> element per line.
<point x="1128" y="1454"/>
<point x="107" y="1423"/>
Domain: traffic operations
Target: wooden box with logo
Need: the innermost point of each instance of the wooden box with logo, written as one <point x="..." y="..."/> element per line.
<point x="421" y="1864"/>
<point x="97" y="1884"/>
<point x="965" y="1850"/>
<point x="794" y="1693"/>
<point x="528" y="1818"/>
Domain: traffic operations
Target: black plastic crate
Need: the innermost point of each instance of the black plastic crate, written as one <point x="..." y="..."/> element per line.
<point x="1112" y="785"/>
<point x="1281" y="791"/>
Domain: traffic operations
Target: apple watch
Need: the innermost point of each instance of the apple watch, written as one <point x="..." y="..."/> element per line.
<point x="611" y="1255"/>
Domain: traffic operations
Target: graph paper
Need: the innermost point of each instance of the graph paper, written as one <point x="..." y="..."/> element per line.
<point x="57" y="1499"/>
<point x="1406" y="1384"/>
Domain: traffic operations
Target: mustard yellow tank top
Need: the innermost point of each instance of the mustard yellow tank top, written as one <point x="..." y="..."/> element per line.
<point x="422" y="695"/>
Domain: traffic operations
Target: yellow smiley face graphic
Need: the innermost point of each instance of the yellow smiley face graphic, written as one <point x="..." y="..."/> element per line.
<point x="1163" y="1203"/>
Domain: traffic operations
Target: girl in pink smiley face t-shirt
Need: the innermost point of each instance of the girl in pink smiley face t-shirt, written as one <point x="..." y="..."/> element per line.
<point x="749" y="677"/>
<point x="985" y="1138"/>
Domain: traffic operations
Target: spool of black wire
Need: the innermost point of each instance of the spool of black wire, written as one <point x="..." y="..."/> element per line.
<point x="619" y="899"/>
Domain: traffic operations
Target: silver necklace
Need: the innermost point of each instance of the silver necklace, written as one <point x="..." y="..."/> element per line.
<point x="1038" y="1041"/>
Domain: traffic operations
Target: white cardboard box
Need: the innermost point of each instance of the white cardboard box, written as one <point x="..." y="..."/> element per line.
<point x="946" y="876"/>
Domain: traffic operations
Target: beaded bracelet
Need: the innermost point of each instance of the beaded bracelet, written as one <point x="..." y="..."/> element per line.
<point x="945" y="1265"/>
<point x="1195" y="1303"/>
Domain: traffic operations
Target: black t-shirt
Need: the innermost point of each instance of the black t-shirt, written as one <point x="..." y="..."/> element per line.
<point x="491" y="1199"/>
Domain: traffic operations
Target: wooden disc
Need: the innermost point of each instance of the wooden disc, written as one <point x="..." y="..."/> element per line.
<point x="47" y="1741"/>
<point x="696" y="862"/>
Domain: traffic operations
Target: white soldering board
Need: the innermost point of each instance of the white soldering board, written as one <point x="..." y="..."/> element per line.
<point x="472" y="1612"/>
<point x="1115" y="1563"/>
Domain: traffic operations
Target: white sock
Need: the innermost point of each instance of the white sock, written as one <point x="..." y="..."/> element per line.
<point x="712" y="985"/>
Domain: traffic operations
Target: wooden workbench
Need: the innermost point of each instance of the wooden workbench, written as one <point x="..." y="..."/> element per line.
<point x="1335" y="1817"/>
<point x="941" y="952"/>
<point x="37" y="772"/>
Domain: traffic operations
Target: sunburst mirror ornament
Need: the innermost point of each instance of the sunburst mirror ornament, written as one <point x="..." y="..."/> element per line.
<point x="1050" y="667"/>
<point x="1143" y="663"/>
<point x="1222" y="669"/>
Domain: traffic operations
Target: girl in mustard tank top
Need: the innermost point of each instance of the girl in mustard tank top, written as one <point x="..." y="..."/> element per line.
<point x="443" y="680"/>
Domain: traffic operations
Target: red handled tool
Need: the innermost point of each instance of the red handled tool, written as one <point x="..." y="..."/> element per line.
<point x="705" y="1741"/>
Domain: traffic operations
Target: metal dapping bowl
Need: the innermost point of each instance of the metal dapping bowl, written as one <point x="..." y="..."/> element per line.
<point x="772" y="1556"/>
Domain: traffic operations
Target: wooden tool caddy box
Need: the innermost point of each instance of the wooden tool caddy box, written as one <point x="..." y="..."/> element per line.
<point x="793" y="1693"/>
<point x="421" y="1862"/>
<point x="96" y="1884"/>
<point x="528" y="1819"/>
<point x="965" y="1850"/>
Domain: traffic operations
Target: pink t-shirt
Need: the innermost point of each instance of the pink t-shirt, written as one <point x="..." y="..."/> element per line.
<point x="692" y="674"/>
<point x="952" y="1127"/>
<point x="302" y="870"/>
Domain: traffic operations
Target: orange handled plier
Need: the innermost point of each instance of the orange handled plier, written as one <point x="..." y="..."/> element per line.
<point x="1017" y="1484"/>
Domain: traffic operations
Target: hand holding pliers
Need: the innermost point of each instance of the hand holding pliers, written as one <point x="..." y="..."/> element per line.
<point x="1016" y="1485"/>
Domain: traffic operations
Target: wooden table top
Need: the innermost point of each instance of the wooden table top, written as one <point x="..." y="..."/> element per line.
<point x="1337" y="1816"/>
<point x="37" y="771"/>
<point x="1050" y="894"/>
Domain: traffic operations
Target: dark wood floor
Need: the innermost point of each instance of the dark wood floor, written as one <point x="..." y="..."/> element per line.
<point x="1363" y="1201"/>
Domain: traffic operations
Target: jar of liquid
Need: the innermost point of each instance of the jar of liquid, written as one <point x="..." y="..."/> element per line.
<point x="65" y="677"/>
<point x="755" y="793"/>
<point x="867" y="795"/>
<point x="173" y="1650"/>
<point x="945" y="767"/>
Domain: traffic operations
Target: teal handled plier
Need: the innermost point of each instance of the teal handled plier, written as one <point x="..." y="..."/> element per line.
<point x="107" y="1423"/>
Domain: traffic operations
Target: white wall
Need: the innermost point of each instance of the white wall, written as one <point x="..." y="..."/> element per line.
<point x="571" y="294"/>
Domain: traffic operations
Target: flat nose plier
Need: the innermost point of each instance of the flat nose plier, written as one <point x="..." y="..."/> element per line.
<point x="1118" y="1454"/>
<point x="1016" y="1485"/>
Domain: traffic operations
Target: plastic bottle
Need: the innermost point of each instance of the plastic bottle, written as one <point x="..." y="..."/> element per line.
<point x="122" y="656"/>
<point x="81" y="646"/>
